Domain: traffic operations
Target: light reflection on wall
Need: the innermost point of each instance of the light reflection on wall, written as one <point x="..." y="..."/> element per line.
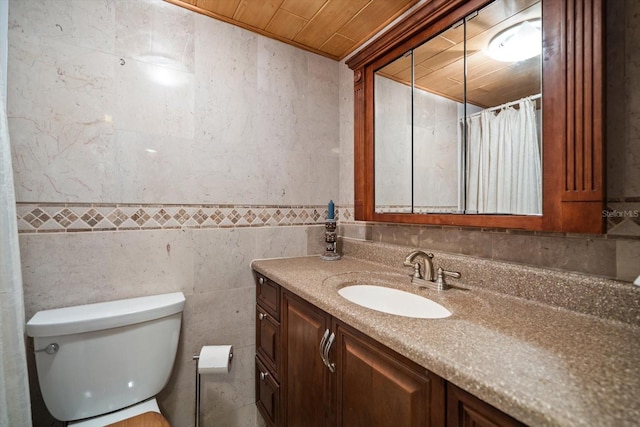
<point x="166" y="71"/>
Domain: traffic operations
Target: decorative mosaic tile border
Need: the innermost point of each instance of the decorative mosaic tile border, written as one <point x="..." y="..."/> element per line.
<point x="68" y="218"/>
<point x="623" y="218"/>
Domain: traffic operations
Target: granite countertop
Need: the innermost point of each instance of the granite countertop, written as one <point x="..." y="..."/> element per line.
<point x="540" y="364"/>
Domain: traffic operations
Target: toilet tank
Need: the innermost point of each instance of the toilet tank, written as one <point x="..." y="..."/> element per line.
<point x="106" y="356"/>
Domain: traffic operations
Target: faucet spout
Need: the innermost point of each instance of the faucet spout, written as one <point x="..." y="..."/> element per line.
<point x="426" y="272"/>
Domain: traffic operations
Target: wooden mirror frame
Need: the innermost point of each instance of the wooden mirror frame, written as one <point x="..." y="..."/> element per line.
<point x="572" y="97"/>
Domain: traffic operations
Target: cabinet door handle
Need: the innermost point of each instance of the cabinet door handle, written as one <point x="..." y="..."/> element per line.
<point x="263" y="375"/>
<point x="331" y="366"/>
<point x="321" y="349"/>
<point x="262" y="316"/>
<point x="261" y="280"/>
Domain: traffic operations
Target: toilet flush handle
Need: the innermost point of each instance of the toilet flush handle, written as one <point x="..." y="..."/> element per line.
<point x="50" y="349"/>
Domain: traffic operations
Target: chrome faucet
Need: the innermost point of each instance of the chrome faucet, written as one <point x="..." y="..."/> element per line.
<point x="423" y="273"/>
<point x="426" y="273"/>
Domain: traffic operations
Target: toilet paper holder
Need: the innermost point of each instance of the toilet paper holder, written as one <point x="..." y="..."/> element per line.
<point x="198" y="374"/>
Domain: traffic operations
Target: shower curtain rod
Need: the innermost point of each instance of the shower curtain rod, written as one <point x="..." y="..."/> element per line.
<point x="507" y="104"/>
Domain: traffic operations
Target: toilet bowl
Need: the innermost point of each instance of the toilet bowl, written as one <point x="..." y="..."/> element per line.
<point x="102" y="364"/>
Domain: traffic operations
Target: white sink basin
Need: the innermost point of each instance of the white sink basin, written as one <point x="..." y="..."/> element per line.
<point x="394" y="301"/>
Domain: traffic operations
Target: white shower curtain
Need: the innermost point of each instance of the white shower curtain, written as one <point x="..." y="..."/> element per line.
<point x="15" y="405"/>
<point x="503" y="161"/>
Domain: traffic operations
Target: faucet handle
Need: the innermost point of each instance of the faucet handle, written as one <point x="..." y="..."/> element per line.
<point x="440" y="281"/>
<point x="416" y="270"/>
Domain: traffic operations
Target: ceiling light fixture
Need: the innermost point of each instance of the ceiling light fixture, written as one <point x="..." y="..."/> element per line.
<point x="517" y="43"/>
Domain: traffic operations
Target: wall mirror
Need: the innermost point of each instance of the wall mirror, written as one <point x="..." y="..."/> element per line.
<point x="457" y="118"/>
<point x="483" y="113"/>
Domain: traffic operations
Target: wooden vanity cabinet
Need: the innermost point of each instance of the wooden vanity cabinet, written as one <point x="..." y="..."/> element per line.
<point x="370" y="386"/>
<point x="362" y="384"/>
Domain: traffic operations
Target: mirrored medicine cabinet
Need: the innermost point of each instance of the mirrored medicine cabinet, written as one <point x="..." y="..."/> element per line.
<point x="483" y="113"/>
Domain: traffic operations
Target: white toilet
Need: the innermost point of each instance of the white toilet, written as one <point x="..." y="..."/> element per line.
<point x="100" y="364"/>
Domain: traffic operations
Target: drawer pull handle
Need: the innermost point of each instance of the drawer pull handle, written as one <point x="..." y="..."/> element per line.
<point x="261" y="280"/>
<point x="262" y="316"/>
<point x="263" y="375"/>
<point x="324" y="339"/>
<point x="330" y="365"/>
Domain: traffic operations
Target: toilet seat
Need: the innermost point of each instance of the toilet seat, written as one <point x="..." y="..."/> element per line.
<point x="148" y="419"/>
<point x="128" y="414"/>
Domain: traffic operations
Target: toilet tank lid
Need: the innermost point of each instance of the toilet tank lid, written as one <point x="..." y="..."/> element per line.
<point x="104" y="315"/>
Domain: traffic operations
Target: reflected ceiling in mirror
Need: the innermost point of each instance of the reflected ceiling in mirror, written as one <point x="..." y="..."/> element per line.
<point x="436" y="105"/>
<point x="438" y="62"/>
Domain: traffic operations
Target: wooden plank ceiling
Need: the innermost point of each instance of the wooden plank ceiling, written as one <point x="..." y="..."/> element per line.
<point x="332" y="28"/>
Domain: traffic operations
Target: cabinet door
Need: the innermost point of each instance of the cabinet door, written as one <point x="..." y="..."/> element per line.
<point x="304" y="377"/>
<point x="466" y="410"/>
<point x="376" y="387"/>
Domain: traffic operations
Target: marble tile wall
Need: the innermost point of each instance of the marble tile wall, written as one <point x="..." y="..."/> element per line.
<point x="345" y="107"/>
<point x="434" y="142"/>
<point x="157" y="150"/>
<point x="436" y="179"/>
<point x="623" y="108"/>
<point x="145" y="102"/>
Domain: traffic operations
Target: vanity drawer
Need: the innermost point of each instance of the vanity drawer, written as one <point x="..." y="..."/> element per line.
<point x="267" y="395"/>
<point x="267" y="339"/>
<point x="268" y="295"/>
